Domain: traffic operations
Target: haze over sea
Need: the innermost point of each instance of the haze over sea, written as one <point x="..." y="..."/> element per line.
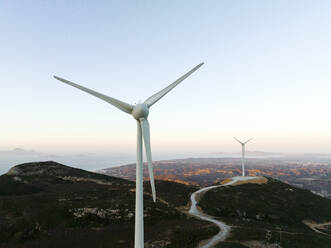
<point x="87" y="161"/>
<point x="95" y="161"/>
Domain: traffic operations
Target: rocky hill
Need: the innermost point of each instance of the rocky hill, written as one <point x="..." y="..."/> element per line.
<point x="50" y="205"/>
<point x="272" y="214"/>
<point x="47" y="204"/>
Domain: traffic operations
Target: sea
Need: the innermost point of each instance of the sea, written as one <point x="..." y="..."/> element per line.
<point x="95" y="162"/>
<point x="89" y="161"/>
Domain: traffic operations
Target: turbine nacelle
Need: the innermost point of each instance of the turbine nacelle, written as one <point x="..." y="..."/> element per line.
<point x="243" y="142"/>
<point x="139" y="111"/>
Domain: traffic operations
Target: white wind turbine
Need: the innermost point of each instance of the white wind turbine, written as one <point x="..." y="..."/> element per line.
<point x="243" y="154"/>
<point x="139" y="112"/>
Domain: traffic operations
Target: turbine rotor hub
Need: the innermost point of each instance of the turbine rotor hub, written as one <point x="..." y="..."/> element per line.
<point x="139" y="111"/>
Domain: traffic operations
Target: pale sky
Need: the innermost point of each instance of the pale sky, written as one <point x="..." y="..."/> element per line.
<point x="267" y="74"/>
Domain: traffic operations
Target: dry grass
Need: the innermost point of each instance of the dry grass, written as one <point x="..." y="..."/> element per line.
<point x="259" y="180"/>
<point x="259" y="244"/>
<point x="226" y="180"/>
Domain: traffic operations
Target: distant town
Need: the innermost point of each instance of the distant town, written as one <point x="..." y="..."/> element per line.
<point x="304" y="172"/>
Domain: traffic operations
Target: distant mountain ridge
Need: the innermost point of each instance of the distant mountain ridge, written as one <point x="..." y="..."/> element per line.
<point x="19" y="152"/>
<point x="252" y="153"/>
<point x="265" y="154"/>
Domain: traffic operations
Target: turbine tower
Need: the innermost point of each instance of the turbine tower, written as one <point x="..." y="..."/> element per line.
<point x="243" y="154"/>
<point x="139" y="112"/>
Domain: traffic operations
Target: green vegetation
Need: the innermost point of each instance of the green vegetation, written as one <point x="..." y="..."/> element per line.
<point x="274" y="202"/>
<point x="176" y="194"/>
<point x="190" y="239"/>
<point x="270" y="213"/>
<point x="51" y="205"/>
<point x="284" y="238"/>
<point x="230" y="245"/>
<point x="325" y="229"/>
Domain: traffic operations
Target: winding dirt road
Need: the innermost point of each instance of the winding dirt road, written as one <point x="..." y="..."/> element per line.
<point x="224" y="228"/>
<point x="314" y="226"/>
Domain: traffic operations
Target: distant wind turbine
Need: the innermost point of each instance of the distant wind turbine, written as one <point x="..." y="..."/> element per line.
<point x="139" y="112"/>
<point x="243" y="154"/>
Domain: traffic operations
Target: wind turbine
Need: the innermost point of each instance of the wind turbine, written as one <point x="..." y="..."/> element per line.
<point x="139" y="112"/>
<point x="243" y="154"/>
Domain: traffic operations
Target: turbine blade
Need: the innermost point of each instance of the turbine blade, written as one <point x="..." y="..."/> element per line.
<point x="127" y="108"/>
<point x="154" y="98"/>
<point x="248" y="141"/>
<point x="238" y="140"/>
<point x="147" y="142"/>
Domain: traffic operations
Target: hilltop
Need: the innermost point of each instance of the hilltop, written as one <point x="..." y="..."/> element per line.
<point x="47" y="204"/>
<point x="269" y="212"/>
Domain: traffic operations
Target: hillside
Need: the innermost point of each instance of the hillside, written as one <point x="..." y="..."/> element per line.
<point x="47" y="204"/>
<point x="269" y="213"/>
